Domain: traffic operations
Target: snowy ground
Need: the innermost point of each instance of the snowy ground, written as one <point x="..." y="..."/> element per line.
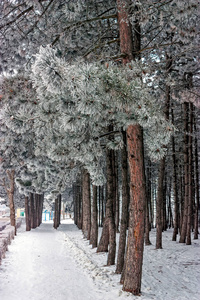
<point x="59" y="264"/>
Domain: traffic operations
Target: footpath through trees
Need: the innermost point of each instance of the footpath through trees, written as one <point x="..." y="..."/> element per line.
<point x="45" y="263"/>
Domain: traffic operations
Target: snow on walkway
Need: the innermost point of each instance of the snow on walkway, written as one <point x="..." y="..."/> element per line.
<point x="60" y="265"/>
<point x="171" y="273"/>
<point x="39" y="266"/>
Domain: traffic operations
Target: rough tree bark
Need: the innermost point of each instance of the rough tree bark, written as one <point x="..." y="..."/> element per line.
<point x="108" y="236"/>
<point x="124" y="214"/>
<point x="135" y="244"/>
<point x="41" y="208"/>
<point x="159" y="204"/>
<point x="109" y="229"/>
<point x="27" y="214"/>
<point x="148" y="201"/>
<point x="175" y="189"/>
<point x="75" y="203"/>
<point x="86" y="208"/>
<point x="94" y="228"/>
<point x="10" y="192"/>
<point x="59" y="208"/>
<point x="186" y="176"/>
<point x="114" y="178"/>
<point x="161" y="174"/>
<point x="190" y="187"/>
<point x="55" y="223"/>
<point x="100" y="208"/>
<point x="104" y="240"/>
<point x="196" y="183"/>
<point x="36" y="210"/>
<point x="31" y="197"/>
<point x="79" y="192"/>
<point x="109" y="208"/>
<point x="103" y="204"/>
<point x="117" y="209"/>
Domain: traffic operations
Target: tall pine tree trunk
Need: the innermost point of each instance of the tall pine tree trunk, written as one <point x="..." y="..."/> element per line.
<point x="100" y="208"/>
<point x="86" y="209"/>
<point x="124" y="214"/>
<point x="75" y="203"/>
<point x="159" y="204"/>
<point x="27" y="214"/>
<point x="160" y="194"/>
<point x="135" y="244"/>
<point x="109" y="208"/>
<point x="41" y="198"/>
<point x="80" y="207"/>
<point x="94" y="228"/>
<point x="55" y="224"/>
<point x="57" y="212"/>
<point x="32" y="209"/>
<point x="37" y="209"/>
<point x="114" y="191"/>
<point x="134" y="256"/>
<point x="175" y="188"/>
<point x="59" y="209"/>
<point x="117" y="212"/>
<point x="190" y="188"/>
<point x="104" y="240"/>
<point x="10" y="192"/>
<point x="103" y="204"/>
<point x="148" y="201"/>
<point x="186" y="176"/>
<point x="196" y="184"/>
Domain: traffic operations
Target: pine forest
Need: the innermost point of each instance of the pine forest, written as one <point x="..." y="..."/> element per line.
<point x="102" y="98"/>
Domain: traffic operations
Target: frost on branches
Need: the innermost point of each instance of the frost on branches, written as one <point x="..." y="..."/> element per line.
<point x="95" y="95"/>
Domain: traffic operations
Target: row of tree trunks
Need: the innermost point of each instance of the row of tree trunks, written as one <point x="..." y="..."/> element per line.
<point x="82" y="194"/>
<point x="33" y="210"/>
<point x="138" y="202"/>
<point x="166" y="211"/>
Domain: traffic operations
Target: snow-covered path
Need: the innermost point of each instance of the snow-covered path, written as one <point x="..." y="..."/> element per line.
<point x="39" y="265"/>
<point x="60" y="265"/>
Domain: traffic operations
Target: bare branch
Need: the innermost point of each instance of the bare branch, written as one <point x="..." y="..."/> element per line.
<point x="81" y="23"/>
<point x="40" y="16"/>
<point x="19" y="16"/>
<point x="108" y="133"/>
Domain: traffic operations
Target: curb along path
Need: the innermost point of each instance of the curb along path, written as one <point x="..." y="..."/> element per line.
<point x="7" y="234"/>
